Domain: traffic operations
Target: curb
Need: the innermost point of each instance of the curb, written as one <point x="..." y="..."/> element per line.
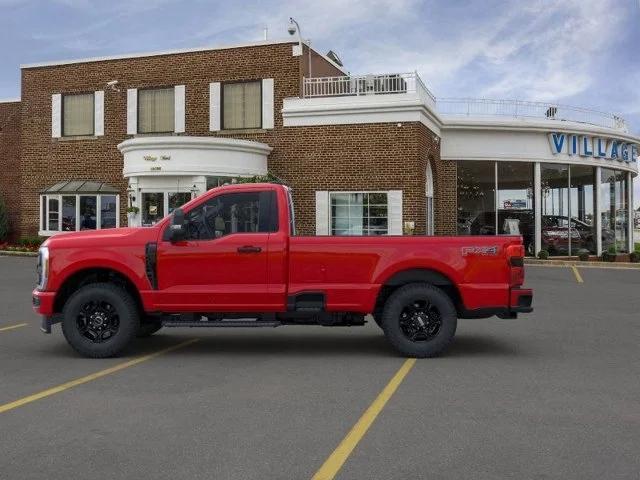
<point x="572" y="263"/>
<point x="10" y="253"/>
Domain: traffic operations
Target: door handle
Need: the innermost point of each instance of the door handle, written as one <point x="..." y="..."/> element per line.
<point x="249" y="249"/>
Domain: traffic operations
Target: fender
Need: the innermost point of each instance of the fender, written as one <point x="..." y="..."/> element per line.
<point x="409" y="268"/>
<point x="75" y="261"/>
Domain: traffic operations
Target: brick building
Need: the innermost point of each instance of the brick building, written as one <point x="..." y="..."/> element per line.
<point x="376" y="154"/>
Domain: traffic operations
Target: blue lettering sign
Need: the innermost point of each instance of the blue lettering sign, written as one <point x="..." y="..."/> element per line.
<point x="614" y="150"/>
<point x="634" y="153"/>
<point x="624" y="152"/>
<point x="573" y="146"/>
<point x="557" y="142"/>
<point x="586" y="148"/>
<point x="601" y="150"/>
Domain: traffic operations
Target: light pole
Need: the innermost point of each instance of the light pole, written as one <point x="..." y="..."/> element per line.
<point x="294" y="28"/>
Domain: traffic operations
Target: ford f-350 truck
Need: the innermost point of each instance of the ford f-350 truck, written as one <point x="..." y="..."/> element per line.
<point x="231" y="258"/>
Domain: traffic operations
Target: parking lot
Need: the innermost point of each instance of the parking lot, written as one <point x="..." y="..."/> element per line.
<point x="553" y="394"/>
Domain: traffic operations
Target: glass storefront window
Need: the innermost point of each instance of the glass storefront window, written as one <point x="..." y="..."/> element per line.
<point x="582" y="209"/>
<point x="108" y="211"/>
<point x="177" y="199"/>
<point x="516" y="202"/>
<point x="152" y="208"/>
<point x="88" y="212"/>
<point x="213" y="182"/>
<point x="555" y="208"/>
<point x="69" y="213"/>
<point x="476" y="198"/>
<point x="614" y="210"/>
<point x="54" y="213"/>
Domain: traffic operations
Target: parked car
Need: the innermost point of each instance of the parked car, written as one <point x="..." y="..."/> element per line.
<point x="229" y="258"/>
<point x="485" y="224"/>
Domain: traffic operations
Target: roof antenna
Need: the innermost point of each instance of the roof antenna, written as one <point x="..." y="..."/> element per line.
<point x="266" y="33"/>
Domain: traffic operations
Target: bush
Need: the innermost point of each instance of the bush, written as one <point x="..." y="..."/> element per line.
<point x="583" y="254"/>
<point x="4" y="221"/>
<point x="543" y="254"/>
<point x="634" y="256"/>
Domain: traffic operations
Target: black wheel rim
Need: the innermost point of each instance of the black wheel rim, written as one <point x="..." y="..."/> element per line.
<point x="98" y="321"/>
<point x="420" y="321"/>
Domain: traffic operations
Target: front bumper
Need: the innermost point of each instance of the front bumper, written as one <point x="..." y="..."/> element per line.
<point x="43" y="305"/>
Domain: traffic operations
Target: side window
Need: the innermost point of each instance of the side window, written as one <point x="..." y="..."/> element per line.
<point x="223" y="215"/>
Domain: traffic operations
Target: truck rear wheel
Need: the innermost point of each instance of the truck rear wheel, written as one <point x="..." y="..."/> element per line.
<point x="100" y="320"/>
<point x="419" y="320"/>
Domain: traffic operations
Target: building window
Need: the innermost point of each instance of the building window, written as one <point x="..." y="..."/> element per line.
<point x="156" y="110"/>
<point x="78" y="115"/>
<point x="157" y="204"/>
<point x="429" y="199"/>
<point x="614" y="210"/>
<point x="242" y="105"/>
<point x="516" y="202"/>
<point x="70" y="213"/>
<point x="362" y="213"/>
<point x="476" y="198"/>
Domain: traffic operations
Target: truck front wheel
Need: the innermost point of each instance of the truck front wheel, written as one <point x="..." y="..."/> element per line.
<point x="419" y="320"/>
<point x="100" y="319"/>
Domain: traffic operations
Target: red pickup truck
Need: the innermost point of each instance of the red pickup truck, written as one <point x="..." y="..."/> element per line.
<point x="231" y="258"/>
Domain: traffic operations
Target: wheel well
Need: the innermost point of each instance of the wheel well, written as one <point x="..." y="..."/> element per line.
<point x="417" y="275"/>
<point x="94" y="275"/>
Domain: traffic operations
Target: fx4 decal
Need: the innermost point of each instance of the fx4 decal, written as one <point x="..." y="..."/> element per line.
<point x="485" y="251"/>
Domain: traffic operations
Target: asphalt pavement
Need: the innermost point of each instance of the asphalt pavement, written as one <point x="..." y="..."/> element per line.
<point x="553" y="394"/>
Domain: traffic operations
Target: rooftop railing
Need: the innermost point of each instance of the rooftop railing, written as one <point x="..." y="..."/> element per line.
<point x="386" y="84"/>
<point x="475" y="107"/>
<point x="403" y="83"/>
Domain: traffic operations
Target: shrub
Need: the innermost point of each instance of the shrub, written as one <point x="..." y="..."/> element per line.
<point x="543" y="254"/>
<point x="4" y="221"/>
<point x="634" y="256"/>
<point x="583" y="254"/>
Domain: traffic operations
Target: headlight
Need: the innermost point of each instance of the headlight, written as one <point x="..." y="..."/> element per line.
<point x="43" y="267"/>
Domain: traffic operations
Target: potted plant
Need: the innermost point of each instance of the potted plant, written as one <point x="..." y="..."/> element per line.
<point x="610" y="254"/>
<point x="543" y="254"/>
<point x="132" y="215"/>
<point x="583" y="255"/>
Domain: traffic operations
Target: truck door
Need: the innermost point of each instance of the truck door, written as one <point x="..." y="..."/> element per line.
<point x="222" y="265"/>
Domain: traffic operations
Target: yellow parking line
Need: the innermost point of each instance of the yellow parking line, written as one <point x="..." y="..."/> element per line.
<point x="334" y="463"/>
<point x="11" y="327"/>
<point x="576" y="273"/>
<point x="94" y="376"/>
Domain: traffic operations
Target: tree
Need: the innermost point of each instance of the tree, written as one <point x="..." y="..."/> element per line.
<point x="4" y="221"/>
<point x="268" y="178"/>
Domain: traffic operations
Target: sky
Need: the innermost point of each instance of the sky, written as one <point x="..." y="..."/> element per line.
<point x="576" y="52"/>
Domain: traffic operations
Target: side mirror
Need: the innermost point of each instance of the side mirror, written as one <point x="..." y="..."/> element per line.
<point x="177" y="228"/>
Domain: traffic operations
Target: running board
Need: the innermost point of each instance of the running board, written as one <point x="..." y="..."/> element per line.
<point x="220" y="324"/>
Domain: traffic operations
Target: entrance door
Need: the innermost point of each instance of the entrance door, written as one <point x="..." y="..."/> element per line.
<point x="222" y="266"/>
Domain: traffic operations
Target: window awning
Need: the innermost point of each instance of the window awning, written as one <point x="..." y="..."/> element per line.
<point x="81" y="187"/>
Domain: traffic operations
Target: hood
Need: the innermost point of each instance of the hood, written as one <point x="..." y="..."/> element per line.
<point x="107" y="237"/>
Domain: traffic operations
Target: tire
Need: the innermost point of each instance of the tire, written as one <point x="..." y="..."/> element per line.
<point x="147" y="328"/>
<point x="419" y="320"/>
<point x="100" y="320"/>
